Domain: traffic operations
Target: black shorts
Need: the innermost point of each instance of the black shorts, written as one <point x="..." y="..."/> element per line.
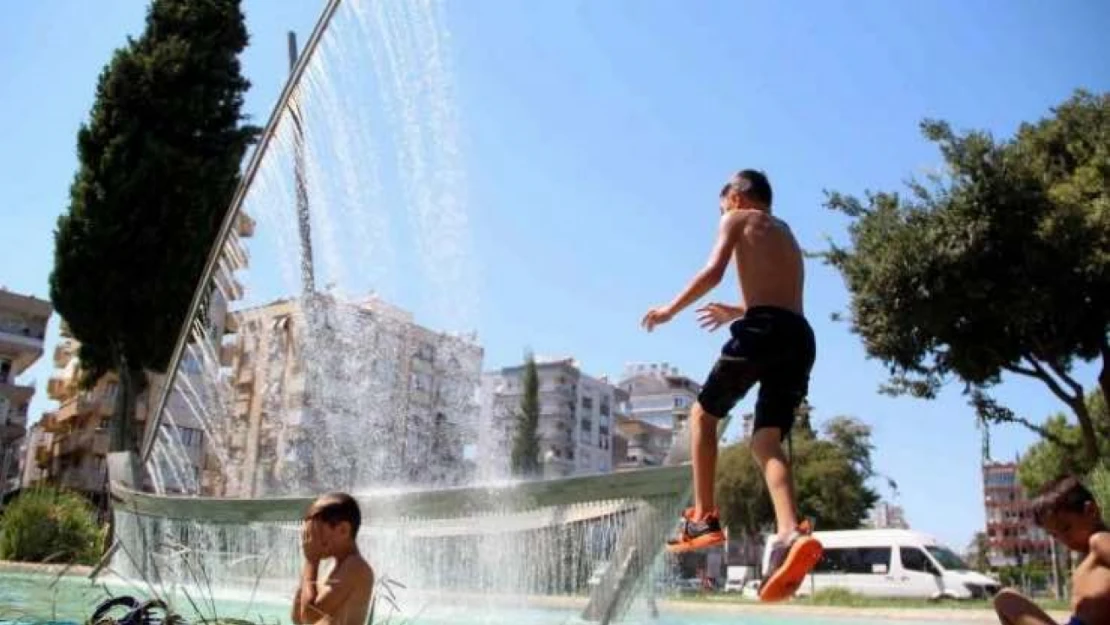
<point x="769" y="345"/>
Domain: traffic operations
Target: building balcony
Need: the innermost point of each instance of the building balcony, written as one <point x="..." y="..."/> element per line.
<point x="83" y="441"/>
<point x="25" y="345"/>
<point x="58" y="389"/>
<point x="89" y="481"/>
<point x="96" y="404"/>
<point x="42" y="455"/>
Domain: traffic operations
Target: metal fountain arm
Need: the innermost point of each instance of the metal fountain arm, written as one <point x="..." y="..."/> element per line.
<point x="230" y="216"/>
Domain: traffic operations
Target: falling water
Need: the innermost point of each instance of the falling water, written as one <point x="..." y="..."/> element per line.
<point x="334" y="400"/>
<point x="289" y="390"/>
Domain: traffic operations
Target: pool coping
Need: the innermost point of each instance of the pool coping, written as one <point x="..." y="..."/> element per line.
<point x="960" y="615"/>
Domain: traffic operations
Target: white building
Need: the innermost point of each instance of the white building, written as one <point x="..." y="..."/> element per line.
<point x="658" y="394"/>
<point x="577" y="416"/>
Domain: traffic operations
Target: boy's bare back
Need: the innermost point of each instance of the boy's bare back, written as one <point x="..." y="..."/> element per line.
<point x="768" y="260"/>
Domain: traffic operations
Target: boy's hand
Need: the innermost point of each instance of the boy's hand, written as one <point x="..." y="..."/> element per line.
<point x="310" y="542"/>
<point x="656" y="316"/>
<point x="715" y="315"/>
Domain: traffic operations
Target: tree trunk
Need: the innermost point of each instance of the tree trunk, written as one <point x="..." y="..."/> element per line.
<point x="123" y="431"/>
<point x="1087" y="428"/>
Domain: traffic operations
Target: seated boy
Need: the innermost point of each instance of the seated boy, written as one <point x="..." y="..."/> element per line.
<point x="329" y="531"/>
<point x="1068" y="512"/>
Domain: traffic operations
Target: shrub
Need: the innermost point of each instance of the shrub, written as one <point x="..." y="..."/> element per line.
<point x="1099" y="483"/>
<point x="49" y="525"/>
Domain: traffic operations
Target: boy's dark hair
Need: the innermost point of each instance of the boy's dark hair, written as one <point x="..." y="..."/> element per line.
<point x="758" y="187"/>
<point x="1066" y="494"/>
<point x="336" y="508"/>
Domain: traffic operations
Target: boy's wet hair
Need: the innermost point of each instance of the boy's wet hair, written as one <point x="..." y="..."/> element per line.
<point x="1066" y="494"/>
<point x="336" y="508"/>
<point x="752" y="183"/>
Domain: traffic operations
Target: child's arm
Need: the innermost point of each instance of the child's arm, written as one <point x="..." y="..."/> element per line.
<point x="343" y="581"/>
<point x="306" y="594"/>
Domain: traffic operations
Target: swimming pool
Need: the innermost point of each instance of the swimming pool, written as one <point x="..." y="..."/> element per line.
<point x="42" y="598"/>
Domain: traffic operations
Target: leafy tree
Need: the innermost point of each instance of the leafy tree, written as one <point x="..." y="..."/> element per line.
<point x="526" y="444"/>
<point x="981" y="549"/>
<point x="830" y="474"/>
<point x="1047" y="460"/>
<point x="158" y="163"/>
<point x="1000" y="266"/>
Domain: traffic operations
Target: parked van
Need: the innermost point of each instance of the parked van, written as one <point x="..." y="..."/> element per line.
<point x="892" y="563"/>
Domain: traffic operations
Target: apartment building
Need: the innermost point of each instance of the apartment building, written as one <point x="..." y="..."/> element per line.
<point x="1013" y="537"/>
<point x="645" y="444"/>
<point x="396" y="401"/>
<point x="658" y="394"/>
<point x="23" y="321"/>
<point x="578" y="413"/>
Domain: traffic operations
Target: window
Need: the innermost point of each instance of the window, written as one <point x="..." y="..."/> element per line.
<point x="913" y="559"/>
<point x="867" y="560"/>
<point x="604" y="407"/>
<point x="426" y="351"/>
<point x="586" y="425"/>
<point x="681" y="401"/>
<point x="587" y="403"/>
<point x="5" y="371"/>
<point x="191" y="437"/>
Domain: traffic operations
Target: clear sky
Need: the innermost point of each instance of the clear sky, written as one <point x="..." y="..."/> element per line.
<point x="595" y="138"/>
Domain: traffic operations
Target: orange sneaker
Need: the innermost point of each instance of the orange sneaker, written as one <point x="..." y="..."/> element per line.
<point x="694" y="535"/>
<point x="790" y="562"/>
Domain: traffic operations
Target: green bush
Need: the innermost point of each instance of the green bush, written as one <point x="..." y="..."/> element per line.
<point x="48" y="525"/>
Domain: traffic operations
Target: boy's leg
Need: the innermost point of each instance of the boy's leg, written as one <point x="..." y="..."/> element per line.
<point x="768" y="452"/>
<point x="703" y="454"/>
<point x="1014" y="609"/>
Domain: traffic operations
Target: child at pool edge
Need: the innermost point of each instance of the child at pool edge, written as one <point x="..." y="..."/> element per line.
<point x="1068" y="511"/>
<point x="330" y="530"/>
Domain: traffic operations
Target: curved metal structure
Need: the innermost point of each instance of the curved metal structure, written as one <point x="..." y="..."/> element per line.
<point x="233" y="209"/>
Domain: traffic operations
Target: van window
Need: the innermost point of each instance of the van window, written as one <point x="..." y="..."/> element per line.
<point x="869" y="560"/>
<point x="914" y="559"/>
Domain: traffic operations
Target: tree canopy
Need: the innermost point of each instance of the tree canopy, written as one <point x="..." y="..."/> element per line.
<point x="158" y="163"/>
<point x="831" y="475"/>
<point x="1000" y="265"/>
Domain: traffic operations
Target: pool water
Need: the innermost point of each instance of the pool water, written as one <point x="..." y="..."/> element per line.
<point x="32" y="598"/>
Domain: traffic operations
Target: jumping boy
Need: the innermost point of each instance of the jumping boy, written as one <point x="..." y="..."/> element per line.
<point x="772" y="344"/>
<point x="1070" y="514"/>
<point x="329" y="531"/>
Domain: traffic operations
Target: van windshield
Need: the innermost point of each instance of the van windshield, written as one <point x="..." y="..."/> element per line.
<point x="948" y="560"/>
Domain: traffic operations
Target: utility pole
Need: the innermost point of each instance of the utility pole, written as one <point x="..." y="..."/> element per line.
<point x="308" y="279"/>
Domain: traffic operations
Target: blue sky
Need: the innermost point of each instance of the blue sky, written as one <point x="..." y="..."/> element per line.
<point x="595" y="137"/>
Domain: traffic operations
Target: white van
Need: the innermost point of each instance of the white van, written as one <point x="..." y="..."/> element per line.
<point x="892" y="563"/>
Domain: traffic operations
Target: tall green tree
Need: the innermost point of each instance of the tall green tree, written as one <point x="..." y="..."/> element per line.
<point x="526" y="442"/>
<point x="1046" y="460"/>
<point x="999" y="266"/>
<point x="158" y="163"/>
<point x="831" y="475"/>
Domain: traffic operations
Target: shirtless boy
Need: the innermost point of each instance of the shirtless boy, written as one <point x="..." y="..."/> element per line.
<point x="329" y="531"/>
<point x="1070" y="514"/>
<point x="772" y="344"/>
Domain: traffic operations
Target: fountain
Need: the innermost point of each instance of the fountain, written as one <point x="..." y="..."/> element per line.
<point x="280" y="389"/>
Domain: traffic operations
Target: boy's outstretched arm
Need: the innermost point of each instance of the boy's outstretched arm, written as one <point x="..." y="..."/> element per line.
<point x="705" y="279"/>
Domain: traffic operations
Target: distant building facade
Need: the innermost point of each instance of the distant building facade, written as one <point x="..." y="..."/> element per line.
<point x="23" y="321"/>
<point x="1013" y="538"/>
<point x="576" y="424"/>
<point x="886" y="515"/>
